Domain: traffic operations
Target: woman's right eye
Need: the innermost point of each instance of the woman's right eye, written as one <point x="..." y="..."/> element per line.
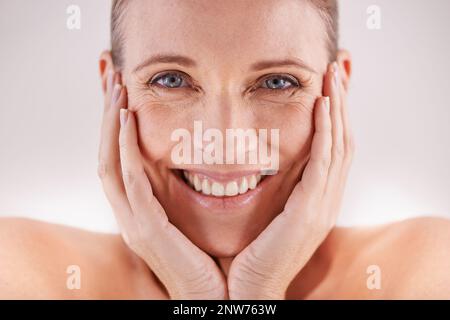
<point x="172" y="80"/>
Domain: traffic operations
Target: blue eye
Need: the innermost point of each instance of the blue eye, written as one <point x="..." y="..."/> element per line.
<point x="171" y="80"/>
<point x="279" y="82"/>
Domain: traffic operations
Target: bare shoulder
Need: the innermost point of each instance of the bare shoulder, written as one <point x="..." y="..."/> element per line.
<point x="50" y="261"/>
<point x="409" y="259"/>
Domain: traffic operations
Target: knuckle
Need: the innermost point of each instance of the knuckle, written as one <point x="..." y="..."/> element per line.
<point x="102" y="170"/>
<point x="339" y="150"/>
<point x="199" y="275"/>
<point x="123" y="145"/>
<point x="351" y="144"/>
<point x="129" y="178"/>
<point x="201" y="281"/>
<point x="108" y="168"/>
<point x="348" y="159"/>
<point x="347" y="163"/>
<point x="328" y="128"/>
<point x="324" y="163"/>
<point x="124" y="142"/>
<point x="248" y="278"/>
<point x="127" y="173"/>
<point x="131" y="175"/>
<point x="259" y="267"/>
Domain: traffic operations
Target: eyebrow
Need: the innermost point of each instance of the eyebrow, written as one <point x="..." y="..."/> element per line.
<point x="293" y="62"/>
<point x="166" y="58"/>
<point x="188" y="62"/>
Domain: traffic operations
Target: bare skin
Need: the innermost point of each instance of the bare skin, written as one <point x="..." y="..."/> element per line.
<point x="282" y="243"/>
<point x="412" y="254"/>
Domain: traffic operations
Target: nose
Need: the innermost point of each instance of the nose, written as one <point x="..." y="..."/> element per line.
<point x="226" y="108"/>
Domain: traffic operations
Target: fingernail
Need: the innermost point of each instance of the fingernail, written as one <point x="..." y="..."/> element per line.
<point x="123" y="117"/>
<point x="326" y="103"/>
<point x="116" y="92"/>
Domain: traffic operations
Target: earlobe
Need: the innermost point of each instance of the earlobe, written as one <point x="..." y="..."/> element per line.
<point x="344" y="61"/>
<point x="105" y="64"/>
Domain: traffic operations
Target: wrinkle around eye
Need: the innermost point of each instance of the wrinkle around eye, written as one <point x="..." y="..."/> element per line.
<point x="297" y="96"/>
<point x="144" y="101"/>
<point x="145" y="95"/>
<point x="304" y="107"/>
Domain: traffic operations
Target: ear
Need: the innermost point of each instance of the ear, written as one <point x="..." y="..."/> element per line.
<point x="344" y="61"/>
<point x="105" y="64"/>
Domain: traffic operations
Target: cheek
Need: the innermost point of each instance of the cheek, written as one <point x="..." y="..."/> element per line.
<point x="294" y="119"/>
<point x="157" y="117"/>
<point x="157" y="120"/>
<point x="155" y="125"/>
<point x="295" y="138"/>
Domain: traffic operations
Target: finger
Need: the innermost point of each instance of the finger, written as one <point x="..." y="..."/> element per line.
<point x="274" y="247"/>
<point x="349" y="143"/>
<point x="114" y="100"/>
<point x="108" y="158"/>
<point x="332" y="88"/>
<point x="137" y="184"/>
<point x="109" y="88"/>
<point x="164" y="242"/>
<point x="316" y="171"/>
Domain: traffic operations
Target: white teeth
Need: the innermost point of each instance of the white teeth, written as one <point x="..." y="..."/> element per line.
<point x="252" y="182"/>
<point x="191" y="180"/>
<point x="197" y="184"/>
<point x="217" y="189"/>
<point x="205" y="187"/>
<point x="244" y="186"/>
<point x="231" y="189"/>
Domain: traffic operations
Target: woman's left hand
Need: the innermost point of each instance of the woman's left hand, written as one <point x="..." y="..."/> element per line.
<point x="265" y="268"/>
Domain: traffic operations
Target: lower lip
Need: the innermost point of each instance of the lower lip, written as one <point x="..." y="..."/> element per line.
<point x="219" y="203"/>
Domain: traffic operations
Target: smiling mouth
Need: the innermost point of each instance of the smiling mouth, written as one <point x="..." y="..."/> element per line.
<point x="219" y="185"/>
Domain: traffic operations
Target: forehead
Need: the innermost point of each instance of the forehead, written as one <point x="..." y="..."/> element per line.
<point x="232" y="32"/>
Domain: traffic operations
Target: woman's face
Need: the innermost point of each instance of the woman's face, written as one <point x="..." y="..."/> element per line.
<point x="232" y="64"/>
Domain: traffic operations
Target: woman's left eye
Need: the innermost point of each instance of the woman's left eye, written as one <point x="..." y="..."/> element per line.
<point x="170" y="80"/>
<point x="279" y="82"/>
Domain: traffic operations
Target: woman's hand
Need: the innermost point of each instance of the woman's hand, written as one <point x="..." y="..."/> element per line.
<point x="267" y="266"/>
<point x="185" y="270"/>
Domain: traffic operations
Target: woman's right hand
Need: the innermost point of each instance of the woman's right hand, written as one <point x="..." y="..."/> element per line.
<point x="186" y="271"/>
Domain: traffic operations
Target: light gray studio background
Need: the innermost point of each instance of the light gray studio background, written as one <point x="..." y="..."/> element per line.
<point x="51" y="106"/>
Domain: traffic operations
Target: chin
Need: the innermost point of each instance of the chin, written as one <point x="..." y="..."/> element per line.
<point x="222" y="211"/>
<point x="220" y="236"/>
<point x="225" y="248"/>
